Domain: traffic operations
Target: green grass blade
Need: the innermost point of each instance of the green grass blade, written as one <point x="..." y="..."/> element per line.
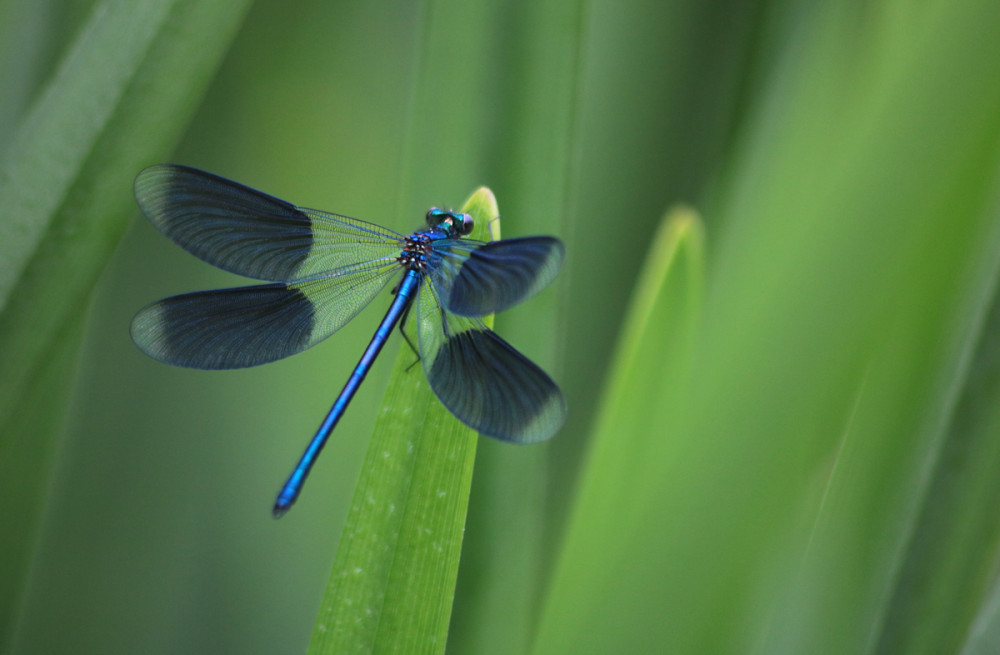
<point x="657" y="336"/>
<point x="945" y="577"/>
<point x="873" y="578"/>
<point x="393" y="578"/>
<point x="25" y="467"/>
<point x="117" y="101"/>
<point x="984" y="634"/>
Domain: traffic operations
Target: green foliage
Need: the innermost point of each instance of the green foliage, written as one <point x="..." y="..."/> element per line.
<point x="630" y="447"/>
<point x="121" y="93"/>
<point x="783" y="434"/>
<point x="790" y="505"/>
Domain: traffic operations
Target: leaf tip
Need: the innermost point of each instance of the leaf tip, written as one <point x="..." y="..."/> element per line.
<point x="482" y="206"/>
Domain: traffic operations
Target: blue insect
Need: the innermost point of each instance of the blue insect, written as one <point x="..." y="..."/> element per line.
<point x="324" y="269"/>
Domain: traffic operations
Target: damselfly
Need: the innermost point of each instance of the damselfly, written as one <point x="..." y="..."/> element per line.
<point x="324" y="268"/>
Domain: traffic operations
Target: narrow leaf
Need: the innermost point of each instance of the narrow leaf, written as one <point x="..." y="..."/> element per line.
<point x="657" y="338"/>
<point x="393" y="577"/>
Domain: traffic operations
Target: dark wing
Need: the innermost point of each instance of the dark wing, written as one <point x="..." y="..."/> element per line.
<point x="251" y="233"/>
<point x="482" y="379"/>
<point x="247" y="326"/>
<point x="473" y="278"/>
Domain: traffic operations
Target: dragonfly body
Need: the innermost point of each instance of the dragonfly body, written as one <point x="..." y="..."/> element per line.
<point x="325" y="269"/>
<point x="405" y="295"/>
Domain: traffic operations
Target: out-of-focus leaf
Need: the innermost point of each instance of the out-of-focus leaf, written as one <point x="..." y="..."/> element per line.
<point x="118" y="100"/>
<point x="623" y="464"/>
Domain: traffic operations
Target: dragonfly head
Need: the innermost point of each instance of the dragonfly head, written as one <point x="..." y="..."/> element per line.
<point x="455" y="224"/>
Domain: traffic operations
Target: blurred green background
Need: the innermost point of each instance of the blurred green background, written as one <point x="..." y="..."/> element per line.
<point x="794" y="447"/>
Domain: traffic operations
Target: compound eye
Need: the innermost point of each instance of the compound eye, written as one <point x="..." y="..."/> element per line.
<point x="466" y="225"/>
<point x="434" y="216"/>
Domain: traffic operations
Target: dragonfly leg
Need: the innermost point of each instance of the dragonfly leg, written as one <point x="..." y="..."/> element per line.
<point x="406" y="337"/>
<point x="494" y="222"/>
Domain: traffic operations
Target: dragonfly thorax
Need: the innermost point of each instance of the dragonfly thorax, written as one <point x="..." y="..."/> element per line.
<point x="415" y="250"/>
<point x="441" y="225"/>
